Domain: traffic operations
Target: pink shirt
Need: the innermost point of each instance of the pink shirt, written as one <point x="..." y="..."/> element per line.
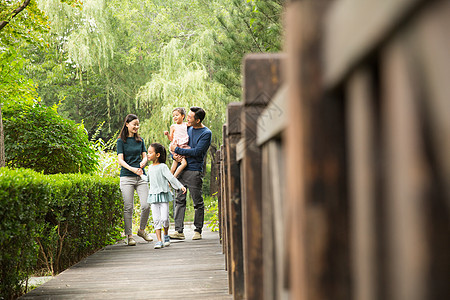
<point x="180" y="135"/>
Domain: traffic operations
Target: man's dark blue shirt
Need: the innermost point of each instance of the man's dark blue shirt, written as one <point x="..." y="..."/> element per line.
<point x="199" y="141"/>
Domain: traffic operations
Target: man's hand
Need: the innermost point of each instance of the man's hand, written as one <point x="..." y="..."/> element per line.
<point x="184" y="189"/>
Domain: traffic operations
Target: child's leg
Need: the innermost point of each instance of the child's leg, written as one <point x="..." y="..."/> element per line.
<point x="158" y="234"/>
<point x="174" y="166"/>
<point x="181" y="167"/>
<point x="165" y="217"/>
<point x="156" y="212"/>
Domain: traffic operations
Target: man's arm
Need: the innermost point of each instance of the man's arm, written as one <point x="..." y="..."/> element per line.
<point x="201" y="148"/>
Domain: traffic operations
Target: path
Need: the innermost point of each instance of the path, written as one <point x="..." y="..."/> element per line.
<point x="185" y="270"/>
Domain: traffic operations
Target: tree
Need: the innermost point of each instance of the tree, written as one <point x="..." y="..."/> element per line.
<point x="35" y="21"/>
<point x="245" y="27"/>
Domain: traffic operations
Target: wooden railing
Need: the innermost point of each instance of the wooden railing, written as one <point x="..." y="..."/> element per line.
<point x="335" y="167"/>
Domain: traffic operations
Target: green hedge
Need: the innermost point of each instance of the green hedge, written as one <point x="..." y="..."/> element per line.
<point x="53" y="221"/>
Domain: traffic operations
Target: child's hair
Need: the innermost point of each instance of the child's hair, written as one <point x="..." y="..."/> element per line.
<point x="181" y="110"/>
<point x="162" y="152"/>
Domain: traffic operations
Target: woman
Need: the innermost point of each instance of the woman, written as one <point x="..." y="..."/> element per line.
<point x="132" y="156"/>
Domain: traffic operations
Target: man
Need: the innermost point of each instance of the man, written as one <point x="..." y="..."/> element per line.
<point x="192" y="175"/>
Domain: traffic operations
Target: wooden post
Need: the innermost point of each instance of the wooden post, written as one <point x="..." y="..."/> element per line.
<point x="234" y="192"/>
<point x="226" y="207"/>
<point x="316" y="169"/>
<point x="362" y="127"/>
<point x="262" y="78"/>
<point x="271" y="125"/>
<point x="219" y="193"/>
<point x="223" y="198"/>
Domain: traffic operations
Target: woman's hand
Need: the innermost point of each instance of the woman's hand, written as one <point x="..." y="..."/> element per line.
<point x="138" y="171"/>
<point x="184" y="189"/>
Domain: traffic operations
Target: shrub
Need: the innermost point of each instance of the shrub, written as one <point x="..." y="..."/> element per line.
<point x="22" y="198"/>
<point x="53" y="221"/>
<point x="38" y="138"/>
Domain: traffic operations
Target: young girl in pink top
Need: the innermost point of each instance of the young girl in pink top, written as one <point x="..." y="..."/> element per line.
<point x="178" y="135"/>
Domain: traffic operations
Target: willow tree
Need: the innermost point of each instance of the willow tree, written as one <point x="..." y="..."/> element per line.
<point x="86" y="38"/>
<point x="183" y="81"/>
<point x="26" y="23"/>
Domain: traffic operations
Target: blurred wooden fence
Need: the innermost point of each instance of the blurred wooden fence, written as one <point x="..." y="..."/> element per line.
<point x="335" y="167"/>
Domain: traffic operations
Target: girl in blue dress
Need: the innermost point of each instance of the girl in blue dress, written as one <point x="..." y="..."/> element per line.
<point x="159" y="194"/>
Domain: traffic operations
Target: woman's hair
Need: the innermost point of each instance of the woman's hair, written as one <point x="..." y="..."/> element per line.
<point x="162" y="152"/>
<point x="181" y="110"/>
<point x="124" y="131"/>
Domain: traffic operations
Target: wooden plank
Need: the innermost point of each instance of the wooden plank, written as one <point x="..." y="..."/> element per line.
<point x="262" y="78"/>
<point x="274" y="119"/>
<point x="432" y="42"/>
<point x="274" y="251"/>
<point x="234" y="118"/>
<point x="235" y="210"/>
<point x="406" y="178"/>
<point x="219" y="192"/>
<point x="355" y="28"/>
<point x="240" y="150"/>
<point x="295" y="186"/>
<point x="317" y="171"/>
<point x="361" y="128"/>
<point x="429" y="41"/>
<point x="269" y="264"/>
<point x="278" y="183"/>
<point x="226" y="207"/>
<point x="141" y="272"/>
<point x="223" y="211"/>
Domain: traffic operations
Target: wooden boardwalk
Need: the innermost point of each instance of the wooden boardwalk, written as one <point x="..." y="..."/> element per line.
<point x="185" y="270"/>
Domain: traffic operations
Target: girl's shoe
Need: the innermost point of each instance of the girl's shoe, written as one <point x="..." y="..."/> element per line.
<point x="166" y="241"/>
<point x="159" y="245"/>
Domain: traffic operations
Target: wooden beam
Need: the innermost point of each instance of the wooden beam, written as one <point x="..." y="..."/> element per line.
<point x="262" y="78"/>
<point x="362" y="148"/>
<point x="406" y="178"/>
<point x="274" y="119"/>
<point x="355" y="28"/>
<point x="235" y="211"/>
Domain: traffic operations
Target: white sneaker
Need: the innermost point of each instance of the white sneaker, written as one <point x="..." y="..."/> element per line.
<point x="197" y="236"/>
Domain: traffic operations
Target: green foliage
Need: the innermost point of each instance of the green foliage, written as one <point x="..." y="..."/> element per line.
<point x="23" y="197"/>
<point x="212" y="210"/>
<point x="183" y="80"/>
<point x="245" y="27"/>
<point x="14" y="87"/>
<point x="110" y="58"/>
<point x="36" y="137"/>
<point x="52" y="221"/>
<point x="84" y="214"/>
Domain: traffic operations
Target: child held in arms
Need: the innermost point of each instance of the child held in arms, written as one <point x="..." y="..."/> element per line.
<point x="178" y="136"/>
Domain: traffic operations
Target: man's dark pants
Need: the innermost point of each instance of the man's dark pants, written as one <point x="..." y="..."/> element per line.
<point x="193" y="181"/>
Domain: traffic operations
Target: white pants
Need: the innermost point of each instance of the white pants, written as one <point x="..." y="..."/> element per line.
<point x="160" y="213"/>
